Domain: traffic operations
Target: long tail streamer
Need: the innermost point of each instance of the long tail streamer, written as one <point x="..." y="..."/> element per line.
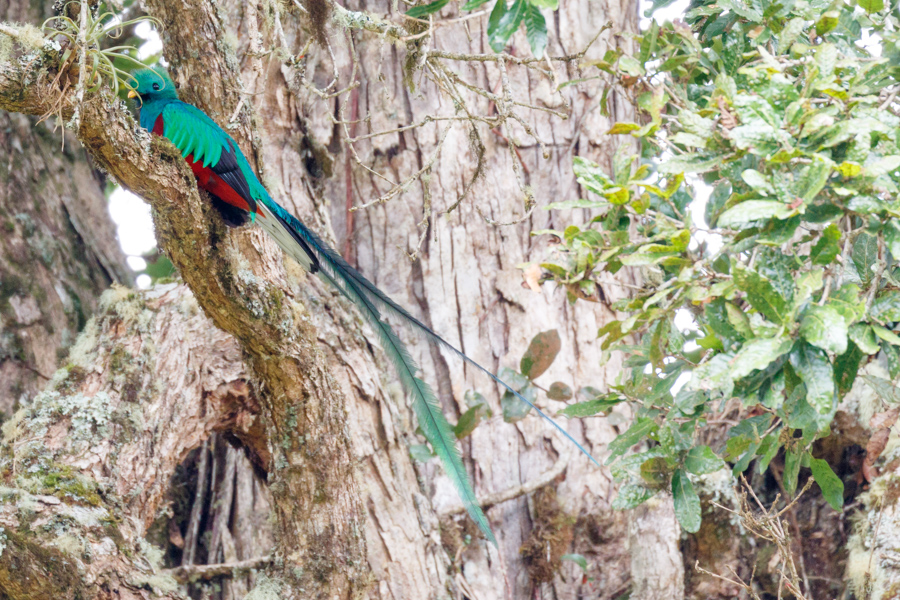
<point x="294" y="238"/>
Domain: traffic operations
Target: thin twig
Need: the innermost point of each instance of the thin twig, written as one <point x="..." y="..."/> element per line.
<point x="516" y="491"/>
<point x="189" y="573"/>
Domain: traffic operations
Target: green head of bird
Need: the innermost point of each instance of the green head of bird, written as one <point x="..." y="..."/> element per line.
<point x="152" y="84"/>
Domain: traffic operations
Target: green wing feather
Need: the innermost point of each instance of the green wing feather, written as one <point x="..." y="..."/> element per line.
<point x="193" y="132"/>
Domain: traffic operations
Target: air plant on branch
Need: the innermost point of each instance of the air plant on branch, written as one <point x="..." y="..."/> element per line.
<point x="83" y="39"/>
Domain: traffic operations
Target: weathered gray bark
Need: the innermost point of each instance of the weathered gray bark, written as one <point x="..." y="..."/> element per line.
<point x="656" y="568"/>
<point x="58" y="251"/>
<point x="872" y="567"/>
<point x="87" y="463"/>
<point x="465" y="284"/>
<point x="296" y="336"/>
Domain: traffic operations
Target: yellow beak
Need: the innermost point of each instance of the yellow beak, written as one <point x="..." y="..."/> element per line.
<point x="133" y="94"/>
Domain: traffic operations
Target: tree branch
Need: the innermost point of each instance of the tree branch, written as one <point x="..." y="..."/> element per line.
<point x="240" y="284"/>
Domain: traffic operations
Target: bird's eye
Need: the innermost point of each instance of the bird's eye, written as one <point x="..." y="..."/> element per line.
<point x="156" y="87"/>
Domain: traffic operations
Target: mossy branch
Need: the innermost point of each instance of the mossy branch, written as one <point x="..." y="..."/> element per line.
<point x="243" y="295"/>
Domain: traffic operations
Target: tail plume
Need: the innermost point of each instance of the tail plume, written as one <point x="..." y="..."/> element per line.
<point x="317" y="256"/>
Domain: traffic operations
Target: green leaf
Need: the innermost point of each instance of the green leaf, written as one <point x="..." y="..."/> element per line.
<point x="639" y="430"/>
<point x="826" y="58"/>
<point x="754" y="210"/>
<point x="758" y="354"/>
<point x="631" y="495"/>
<point x="159" y="268"/>
<point x="693" y="123"/>
<point x="649" y="42"/>
<point x="882" y="166"/>
<point x="496" y="16"/>
<point x="761" y="294"/>
<point x="741" y="465"/>
<point x="473" y="4"/>
<point x="790" y="33"/>
<point x="578" y="559"/>
<point x="808" y="283"/>
<point x="655" y="472"/>
<point x="847" y="302"/>
<point x="535" y="30"/>
<point x="541" y="353"/>
<point x="590" y="175"/>
<point x="470" y="420"/>
<point x="846" y="367"/>
<point x="741" y="9"/>
<point x="687" y="503"/>
<point x="824" y="327"/>
<point x="701" y="460"/>
<point x="815" y="179"/>
<point x="864" y="254"/>
<point x="798" y="414"/>
<point x="689" y="140"/>
<point x="827" y="247"/>
<point x="791" y="471"/>
<point x="675" y="439"/>
<point x="892" y="238"/>
<point x="757" y="181"/>
<point x="421" y="453"/>
<point x="630" y="66"/>
<point x="830" y="484"/>
<point x="622" y="128"/>
<point x="887" y="335"/>
<point x="886" y="306"/>
<point x="570" y="204"/>
<point x="849" y="169"/>
<point x="814" y="369"/>
<point x="767" y="451"/>
<point x="559" y="391"/>
<point x="506" y="25"/>
<point x="687" y="401"/>
<point x="689" y="163"/>
<point x="871" y="6"/>
<point x="864" y="337"/>
<point x="417" y="12"/>
<point x="513" y="408"/>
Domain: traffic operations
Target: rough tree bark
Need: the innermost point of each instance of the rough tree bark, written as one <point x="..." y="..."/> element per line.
<point x="59" y="251"/>
<point x="58" y="248"/>
<point x="306" y="352"/>
<point x="465" y="284"/>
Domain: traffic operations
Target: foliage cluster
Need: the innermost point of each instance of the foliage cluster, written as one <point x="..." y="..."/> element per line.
<point x="789" y="270"/>
<point x="504" y="20"/>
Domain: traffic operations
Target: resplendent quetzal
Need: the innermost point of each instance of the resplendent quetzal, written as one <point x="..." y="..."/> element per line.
<point x="223" y="171"/>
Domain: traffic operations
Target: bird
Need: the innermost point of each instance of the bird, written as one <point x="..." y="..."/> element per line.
<point x="222" y="170"/>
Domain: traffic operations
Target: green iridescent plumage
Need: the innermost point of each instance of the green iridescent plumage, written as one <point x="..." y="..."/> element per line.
<point x="217" y="155"/>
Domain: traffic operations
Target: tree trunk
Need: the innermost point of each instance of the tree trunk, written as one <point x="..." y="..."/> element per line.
<point x="319" y="453"/>
<point x="466" y="286"/>
<point x="58" y="249"/>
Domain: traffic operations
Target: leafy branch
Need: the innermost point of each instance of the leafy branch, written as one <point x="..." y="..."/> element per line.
<point x="786" y="275"/>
